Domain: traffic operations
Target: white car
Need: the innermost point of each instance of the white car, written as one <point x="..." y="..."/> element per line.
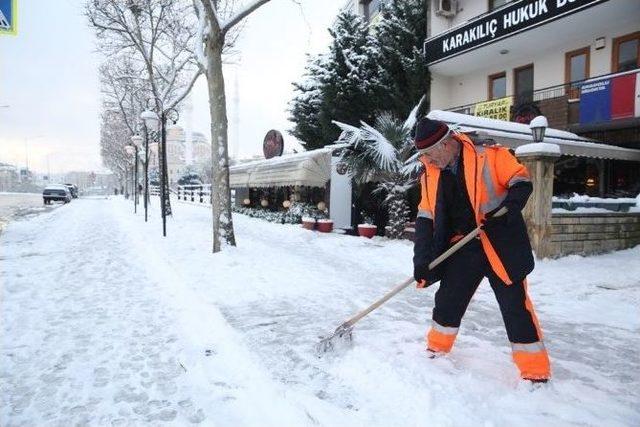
<point x="56" y="192"/>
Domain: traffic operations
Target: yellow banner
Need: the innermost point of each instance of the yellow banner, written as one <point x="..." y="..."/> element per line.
<point x="499" y="109"/>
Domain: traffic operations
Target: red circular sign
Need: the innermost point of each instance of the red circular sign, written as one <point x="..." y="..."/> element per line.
<point x="273" y="144"/>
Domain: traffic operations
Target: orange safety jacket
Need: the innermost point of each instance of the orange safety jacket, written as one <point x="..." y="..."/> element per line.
<point x="489" y="172"/>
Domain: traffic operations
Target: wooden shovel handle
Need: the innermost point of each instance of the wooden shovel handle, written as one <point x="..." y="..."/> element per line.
<point x="410" y="280"/>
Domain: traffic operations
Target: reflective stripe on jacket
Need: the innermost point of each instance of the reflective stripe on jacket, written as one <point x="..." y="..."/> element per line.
<point x="489" y="172"/>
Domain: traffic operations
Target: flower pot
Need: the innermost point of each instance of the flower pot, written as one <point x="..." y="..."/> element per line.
<point x="324" y="225"/>
<point x="309" y="223"/>
<point x="367" y="230"/>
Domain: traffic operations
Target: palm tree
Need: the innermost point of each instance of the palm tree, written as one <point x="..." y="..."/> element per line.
<point x="384" y="154"/>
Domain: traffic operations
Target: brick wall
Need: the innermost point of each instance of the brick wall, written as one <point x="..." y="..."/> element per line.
<point x="586" y="234"/>
<point x="592" y="233"/>
<point x="556" y="110"/>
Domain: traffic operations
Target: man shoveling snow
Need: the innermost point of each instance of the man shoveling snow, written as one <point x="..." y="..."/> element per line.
<point x="463" y="186"/>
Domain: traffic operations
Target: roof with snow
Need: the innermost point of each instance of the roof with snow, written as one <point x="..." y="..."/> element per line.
<point x="309" y="168"/>
<point x="514" y="135"/>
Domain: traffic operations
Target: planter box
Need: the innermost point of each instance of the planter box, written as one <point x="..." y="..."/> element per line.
<point x="367" y="230"/>
<point x="309" y="223"/>
<point x="324" y="225"/>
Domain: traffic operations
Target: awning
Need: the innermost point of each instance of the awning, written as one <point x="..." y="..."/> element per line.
<point x="310" y="168"/>
<point x="513" y="135"/>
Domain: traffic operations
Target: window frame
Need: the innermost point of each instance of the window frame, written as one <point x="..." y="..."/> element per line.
<point x="490" y="80"/>
<point x="490" y="2"/>
<point x="515" y="81"/>
<point x="567" y="69"/>
<point x="615" y="49"/>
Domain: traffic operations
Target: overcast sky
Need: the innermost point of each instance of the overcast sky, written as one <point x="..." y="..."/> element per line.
<point x="48" y="77"/>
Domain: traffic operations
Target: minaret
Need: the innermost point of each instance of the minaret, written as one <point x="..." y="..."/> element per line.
<point x="188" y="131"/>
<point x="236" y="116"/>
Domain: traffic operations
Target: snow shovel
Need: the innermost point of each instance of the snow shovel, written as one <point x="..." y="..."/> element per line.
<point x="344" y="332"/>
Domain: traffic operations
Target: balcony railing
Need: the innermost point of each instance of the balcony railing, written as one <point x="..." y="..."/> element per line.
<point x="567" y="93"/>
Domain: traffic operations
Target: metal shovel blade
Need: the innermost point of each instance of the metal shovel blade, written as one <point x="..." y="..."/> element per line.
<point x="342" y="335"/>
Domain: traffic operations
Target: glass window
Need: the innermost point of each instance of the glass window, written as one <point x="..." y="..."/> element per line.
<point x="628" y="55"/>
<point x="577" y="69"/>
<point x="497" y="86"/>
<point x="494" y="4"/>
<point x="524" y="84"/>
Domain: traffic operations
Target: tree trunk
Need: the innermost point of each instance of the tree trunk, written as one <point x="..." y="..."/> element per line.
<point x="220" y="190"/>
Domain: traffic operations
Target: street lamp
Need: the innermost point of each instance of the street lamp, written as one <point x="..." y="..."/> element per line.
<point x="132" y="150"/>
<point x="137" y="143"/>
<point x="150" y="120"/>
<point x="538" y="127"/>
<point x="170" y="114"/>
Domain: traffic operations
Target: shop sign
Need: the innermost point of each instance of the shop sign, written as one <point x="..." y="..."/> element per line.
<point x="273" y="144"/>
<point x="516" y="17"/>
<point x="609" y="99"/>
<point x="8" y="16"/>
<point x="499" y="109"/>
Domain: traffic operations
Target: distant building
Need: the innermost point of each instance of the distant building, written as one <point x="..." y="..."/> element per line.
<point x="368" y="9"/>
<point x="83" y="180"/>
<point x="8" y="177"/>
<point x="176" y="151"/>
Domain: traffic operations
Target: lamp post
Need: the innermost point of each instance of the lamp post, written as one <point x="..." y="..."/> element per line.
<point x="130" y="150"/>
<point x="137" y="143"/>
<point x="538" y="128"/>
<point x="150" y="120"/>
<point x="170" y="114"/>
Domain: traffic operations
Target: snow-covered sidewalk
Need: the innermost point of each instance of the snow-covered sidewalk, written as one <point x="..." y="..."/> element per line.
<point x="106" y="322"/>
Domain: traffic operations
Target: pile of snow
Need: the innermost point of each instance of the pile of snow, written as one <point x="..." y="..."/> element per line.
<point x="538" y="148"/>
<point x="582" y="198"/>
<point x="580" y="210"/>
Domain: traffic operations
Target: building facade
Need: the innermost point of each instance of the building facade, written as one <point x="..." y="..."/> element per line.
<point x="177" y="152"/>
<point x="8" y="177"/>
<point x="574" y="61"/>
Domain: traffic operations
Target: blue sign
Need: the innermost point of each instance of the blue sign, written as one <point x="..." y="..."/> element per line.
<point x="595" y="102"/>
<point x="8" y="16"/>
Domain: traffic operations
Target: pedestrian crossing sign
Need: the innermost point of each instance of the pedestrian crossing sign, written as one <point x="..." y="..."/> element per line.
<point x="8" y="16"/>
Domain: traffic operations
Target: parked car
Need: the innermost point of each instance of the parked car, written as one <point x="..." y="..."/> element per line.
<point x="56" y="192"/>
<point x="73" y="189"/>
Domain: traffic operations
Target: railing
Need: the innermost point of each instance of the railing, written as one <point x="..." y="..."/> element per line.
<point x="571" y="90"/>
<point x="194" y="193"/>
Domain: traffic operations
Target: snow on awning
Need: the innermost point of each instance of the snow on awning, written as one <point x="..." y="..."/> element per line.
<point x="310" y="168"/>
<point x="513" y="135"/>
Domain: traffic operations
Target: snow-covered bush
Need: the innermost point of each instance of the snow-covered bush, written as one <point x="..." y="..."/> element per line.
<point x="385" y="154"/>
<point x="293" y="215"/>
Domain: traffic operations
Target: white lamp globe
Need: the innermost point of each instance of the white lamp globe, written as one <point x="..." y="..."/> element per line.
<point x="153" y="147"/>
<point x="137" y="140"/>
<point x="150" y="118"/>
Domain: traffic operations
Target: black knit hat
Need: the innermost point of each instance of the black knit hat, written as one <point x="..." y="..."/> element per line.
<point x="429" y="133"/>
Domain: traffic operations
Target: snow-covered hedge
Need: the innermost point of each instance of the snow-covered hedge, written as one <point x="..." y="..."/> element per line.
<point x="293" y="215"/>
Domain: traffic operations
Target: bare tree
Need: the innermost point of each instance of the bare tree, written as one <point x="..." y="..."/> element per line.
<point x="125" y="93"/>
<point x="156" y="38"/>
<point x="114" y="135"/>
<point x="217" y="30"/>
<point x="159" y="35"/>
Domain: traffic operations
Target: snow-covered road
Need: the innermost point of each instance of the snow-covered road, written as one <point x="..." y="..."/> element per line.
<point x="106" y="322"/>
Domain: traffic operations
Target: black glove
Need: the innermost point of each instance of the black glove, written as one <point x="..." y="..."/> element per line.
<point x="491" y="219"/>
<point x="424" y="276"/>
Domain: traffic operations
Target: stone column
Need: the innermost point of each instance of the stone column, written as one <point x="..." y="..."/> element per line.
<point x="539" y="158"/>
